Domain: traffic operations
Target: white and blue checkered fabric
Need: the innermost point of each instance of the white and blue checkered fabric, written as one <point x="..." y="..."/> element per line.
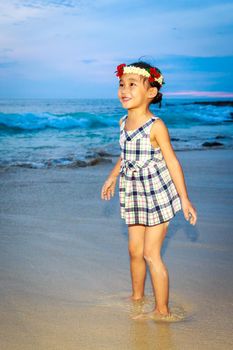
<point x="147" y="193"/>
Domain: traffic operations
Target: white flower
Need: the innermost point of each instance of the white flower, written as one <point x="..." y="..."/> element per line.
<point x="136" y="70"/>
<point x="160" y="80"/>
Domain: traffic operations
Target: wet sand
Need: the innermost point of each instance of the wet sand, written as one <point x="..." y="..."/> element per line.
<point x="65" y="269"/>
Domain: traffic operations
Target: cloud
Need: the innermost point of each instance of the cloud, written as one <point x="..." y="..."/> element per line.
<point x="42" y="3"/>
<point x="57" y="39"/>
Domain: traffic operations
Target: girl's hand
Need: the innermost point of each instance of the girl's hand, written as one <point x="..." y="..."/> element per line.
<point x="189" y="211"/>
<point x="108" y="188"/>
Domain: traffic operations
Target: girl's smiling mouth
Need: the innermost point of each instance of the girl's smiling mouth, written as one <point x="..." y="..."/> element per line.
<point x="126" y="99"/>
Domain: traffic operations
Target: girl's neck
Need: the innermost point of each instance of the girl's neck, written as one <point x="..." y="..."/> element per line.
<point x="139" y="114"/>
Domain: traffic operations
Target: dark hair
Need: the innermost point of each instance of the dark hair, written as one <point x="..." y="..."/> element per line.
<point x="159" y="96"/>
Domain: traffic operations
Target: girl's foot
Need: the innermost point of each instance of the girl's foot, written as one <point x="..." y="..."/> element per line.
<point x="164" y="312"/>
<point x="155" y="315"/>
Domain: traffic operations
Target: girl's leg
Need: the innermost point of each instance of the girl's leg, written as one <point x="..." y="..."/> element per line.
<point x="154" y="237"/>
<point x="137" y="261"/>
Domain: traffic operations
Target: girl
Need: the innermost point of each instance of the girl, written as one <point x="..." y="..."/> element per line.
<point x="151" y="185"/>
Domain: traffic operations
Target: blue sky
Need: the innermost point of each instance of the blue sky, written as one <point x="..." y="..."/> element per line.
<point x="70" y="48"/>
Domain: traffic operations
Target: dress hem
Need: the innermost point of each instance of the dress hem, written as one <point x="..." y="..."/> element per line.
<point x="160" y="222"/>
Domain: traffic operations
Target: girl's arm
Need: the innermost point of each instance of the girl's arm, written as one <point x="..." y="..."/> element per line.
<point x="116" y="170"/>
<point x="108" y="188"/>
<point x="160" y="133"/>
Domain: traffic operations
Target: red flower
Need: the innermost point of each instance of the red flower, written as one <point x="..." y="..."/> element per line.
<point x="120" y="69"/>
<point x="151" y="79"/>
<point x="154" y="73"/>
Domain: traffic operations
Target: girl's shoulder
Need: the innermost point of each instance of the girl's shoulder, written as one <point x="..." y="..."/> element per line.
<point x="157" y="121"/>
<point x="158" y="126"/>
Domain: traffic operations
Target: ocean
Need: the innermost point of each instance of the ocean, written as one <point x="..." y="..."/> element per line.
<point x="44" y="133"/>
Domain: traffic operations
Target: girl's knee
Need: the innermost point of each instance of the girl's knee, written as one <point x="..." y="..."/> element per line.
<point x="149" y="253"/>
<point x="156" y="264"/>
<point x="135" y="251"/>
<point x="152" y="258"/>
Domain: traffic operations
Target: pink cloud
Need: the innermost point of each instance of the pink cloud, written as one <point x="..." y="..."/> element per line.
<point x="201" y="93"/>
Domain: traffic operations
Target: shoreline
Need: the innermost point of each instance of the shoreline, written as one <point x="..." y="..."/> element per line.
<point x="109" y="159"/>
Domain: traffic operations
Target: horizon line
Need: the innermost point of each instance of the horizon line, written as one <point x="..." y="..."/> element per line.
<point x="200" y="93"/>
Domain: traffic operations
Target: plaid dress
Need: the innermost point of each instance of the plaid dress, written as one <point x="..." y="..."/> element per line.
<point x="147" y="193"/>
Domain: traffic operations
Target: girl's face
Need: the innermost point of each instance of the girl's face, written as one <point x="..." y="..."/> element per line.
<point x="134" y="91"/>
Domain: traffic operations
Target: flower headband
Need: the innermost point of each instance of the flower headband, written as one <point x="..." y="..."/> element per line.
<point x="153" y="74"/>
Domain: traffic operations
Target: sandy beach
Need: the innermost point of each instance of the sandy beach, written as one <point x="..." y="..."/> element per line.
<point x="65" y="269"/>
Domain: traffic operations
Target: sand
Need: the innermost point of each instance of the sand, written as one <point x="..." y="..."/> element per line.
<point x="65" y="269"/>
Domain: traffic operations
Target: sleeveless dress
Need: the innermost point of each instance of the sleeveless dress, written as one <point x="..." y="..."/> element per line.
<point x="146" y="190"/>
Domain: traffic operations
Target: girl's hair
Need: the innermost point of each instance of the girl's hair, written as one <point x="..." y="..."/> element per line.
<point x="159" y="96"/>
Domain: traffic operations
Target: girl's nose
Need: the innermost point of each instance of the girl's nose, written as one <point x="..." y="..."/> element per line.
<point x="124" y="89"/>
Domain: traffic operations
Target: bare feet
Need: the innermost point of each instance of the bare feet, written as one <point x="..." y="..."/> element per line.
<point x="162" y="313"/>
<point x="157" y="316"/>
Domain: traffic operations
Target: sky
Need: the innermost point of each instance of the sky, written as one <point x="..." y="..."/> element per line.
<point x="70" y="48"/>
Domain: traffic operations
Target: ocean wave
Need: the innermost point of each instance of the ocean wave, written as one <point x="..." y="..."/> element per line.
<point x="189" y="115"/>
<point x="40" y="121"/>
<point x="174" y="116"/>
<point x="38" y="134"/>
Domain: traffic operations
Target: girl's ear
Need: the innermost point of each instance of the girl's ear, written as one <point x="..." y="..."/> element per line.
<point x="152" y="92"/>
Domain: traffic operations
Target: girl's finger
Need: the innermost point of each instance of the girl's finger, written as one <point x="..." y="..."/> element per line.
<point x="186" y="214"/>
<point x="193" y="212"/>
<point x="193" y="216"/>
<point x="192" y="221"/>
<point x="104" y="193"/>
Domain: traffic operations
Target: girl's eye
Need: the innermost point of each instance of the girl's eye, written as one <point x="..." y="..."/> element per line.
<point x="120" y="84"/>
<point x="132" y="84"/>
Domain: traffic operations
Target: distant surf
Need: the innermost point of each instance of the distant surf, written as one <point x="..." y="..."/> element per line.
<point x="75" y="133"/>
